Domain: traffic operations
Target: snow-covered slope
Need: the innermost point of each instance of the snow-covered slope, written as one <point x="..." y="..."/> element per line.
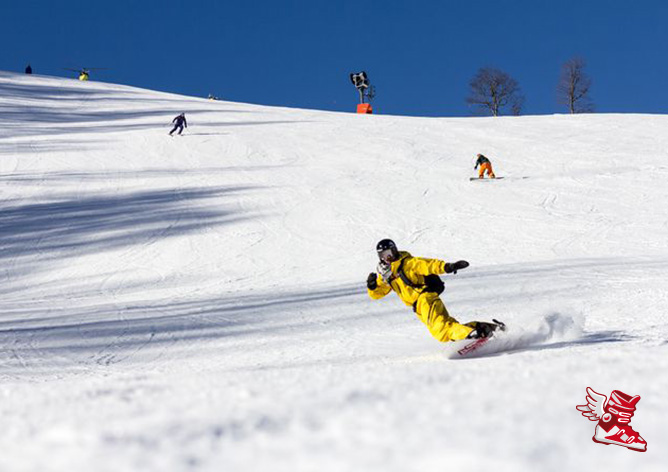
<point x="198" y="302"/>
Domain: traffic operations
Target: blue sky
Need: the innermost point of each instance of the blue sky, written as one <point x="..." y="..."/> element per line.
<point x="420" y="55"/>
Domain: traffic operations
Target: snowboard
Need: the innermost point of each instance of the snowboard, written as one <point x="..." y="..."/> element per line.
<point x="475" y="347"/>
<point x="486" y="178"/>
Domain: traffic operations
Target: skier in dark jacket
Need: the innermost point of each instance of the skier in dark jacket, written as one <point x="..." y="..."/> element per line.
<point x="179" y="123"/>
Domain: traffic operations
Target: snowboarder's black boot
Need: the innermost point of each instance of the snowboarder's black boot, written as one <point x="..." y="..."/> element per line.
<point x="482" y="329"/>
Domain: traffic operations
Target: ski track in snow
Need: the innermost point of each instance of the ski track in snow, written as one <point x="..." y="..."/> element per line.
<point x="198" y="302"/>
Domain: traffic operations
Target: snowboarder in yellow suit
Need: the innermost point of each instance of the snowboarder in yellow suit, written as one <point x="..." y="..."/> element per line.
<point x="416" y="282"/>
<point x="485" y="165"/>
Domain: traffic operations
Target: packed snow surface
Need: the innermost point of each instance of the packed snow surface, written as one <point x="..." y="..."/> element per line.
<point x="198" y="302"/>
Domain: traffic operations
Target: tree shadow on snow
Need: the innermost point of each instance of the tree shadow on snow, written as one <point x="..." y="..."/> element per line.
<point x="32" y="234"/>
<point x="549" y="280"/>
<point x="73" y="177"/>
<point x="75" y="111"/>
<point x="110" y="333"/>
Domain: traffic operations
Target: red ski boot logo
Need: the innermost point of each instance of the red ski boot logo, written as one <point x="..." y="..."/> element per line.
<point x="613" y="419"/>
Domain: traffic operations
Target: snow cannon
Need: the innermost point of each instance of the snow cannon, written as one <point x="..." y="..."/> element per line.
<point x="361" y="83"/>
<point x="364" y="108"/>
<point x="84" y="72"/>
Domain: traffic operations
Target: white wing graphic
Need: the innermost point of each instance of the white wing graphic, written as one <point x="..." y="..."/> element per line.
<point x="593" y="410"/>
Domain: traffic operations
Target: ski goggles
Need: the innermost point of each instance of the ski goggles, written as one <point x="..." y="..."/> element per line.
<point x="386" y="255"/>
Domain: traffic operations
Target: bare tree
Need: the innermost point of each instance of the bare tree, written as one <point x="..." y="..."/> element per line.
<point x="517" y="105"/>
<point x="492" y="90"/>
<point x="574" y="85"/>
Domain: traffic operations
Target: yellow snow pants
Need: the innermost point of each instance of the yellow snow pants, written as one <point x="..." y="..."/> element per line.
<point x="486" y="166"/>
<point x="432" y="312"/>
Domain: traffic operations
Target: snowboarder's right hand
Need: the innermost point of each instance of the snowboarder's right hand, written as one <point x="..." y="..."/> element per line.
<point x="454" y="267"/>
<point x="372" y="281"/>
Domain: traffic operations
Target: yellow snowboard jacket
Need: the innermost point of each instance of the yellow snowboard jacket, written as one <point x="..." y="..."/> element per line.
<point x="415" y="269"/>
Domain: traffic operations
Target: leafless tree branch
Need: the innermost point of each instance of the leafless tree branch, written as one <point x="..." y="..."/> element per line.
<point x="574" y="86"/>
<point x="492" y="90"/>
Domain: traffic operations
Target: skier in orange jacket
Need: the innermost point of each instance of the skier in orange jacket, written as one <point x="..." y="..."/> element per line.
<point x="416" y="282"/>
<point x="485" y="165"/>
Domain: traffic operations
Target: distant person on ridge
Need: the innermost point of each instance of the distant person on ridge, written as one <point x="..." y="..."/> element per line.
<point x="179" y="122"/>
<point x="416" y="281"/>
<point x="28" y="69"/>
<point x="485" y="165"/>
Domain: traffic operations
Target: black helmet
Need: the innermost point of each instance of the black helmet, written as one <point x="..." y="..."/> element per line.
<point x="387" y="247"/>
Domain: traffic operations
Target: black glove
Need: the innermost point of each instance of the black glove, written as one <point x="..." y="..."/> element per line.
<point x="372" y="281"/>
<point x="454" y="267"/>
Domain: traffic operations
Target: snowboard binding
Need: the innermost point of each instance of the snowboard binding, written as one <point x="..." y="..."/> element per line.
<point x="483" y="329"/>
